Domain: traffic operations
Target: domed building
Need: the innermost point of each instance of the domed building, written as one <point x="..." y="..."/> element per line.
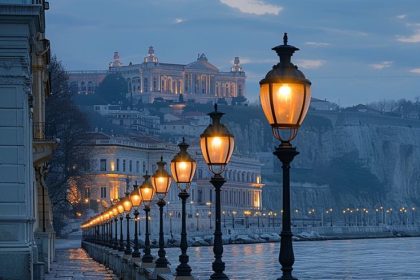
<point x="200" y="80"/>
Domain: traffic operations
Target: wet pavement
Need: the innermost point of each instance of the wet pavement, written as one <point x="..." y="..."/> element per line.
<point x="72" y="263"/>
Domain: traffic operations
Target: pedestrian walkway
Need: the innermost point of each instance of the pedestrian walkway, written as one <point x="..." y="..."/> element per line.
<point x="75" y="264"/>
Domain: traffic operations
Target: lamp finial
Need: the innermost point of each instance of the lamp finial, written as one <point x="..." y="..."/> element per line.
<point x="285" y="38"/>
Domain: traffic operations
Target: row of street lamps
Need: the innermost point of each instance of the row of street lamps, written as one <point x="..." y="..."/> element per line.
<point x="285" y="97"/>
<point x="217" y="144"/>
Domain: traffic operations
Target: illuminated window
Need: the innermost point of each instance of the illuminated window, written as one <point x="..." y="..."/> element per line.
<point x="102" y="166"/>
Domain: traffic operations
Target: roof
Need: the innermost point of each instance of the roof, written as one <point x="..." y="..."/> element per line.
<point x="202" y="64"/>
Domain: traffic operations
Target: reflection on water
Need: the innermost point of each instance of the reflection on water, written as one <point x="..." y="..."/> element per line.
<point x="373" y="259"/>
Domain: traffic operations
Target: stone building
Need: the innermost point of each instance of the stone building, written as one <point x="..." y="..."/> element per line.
<point x="26" y="233"/>
<point x="199" y="80"/>
<point x="116" y="159"/>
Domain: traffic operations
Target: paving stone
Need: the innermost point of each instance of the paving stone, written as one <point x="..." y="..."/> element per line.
<point x="75" y="264"/>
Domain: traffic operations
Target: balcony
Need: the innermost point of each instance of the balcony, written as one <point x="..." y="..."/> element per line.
<point x="43" y="142"/>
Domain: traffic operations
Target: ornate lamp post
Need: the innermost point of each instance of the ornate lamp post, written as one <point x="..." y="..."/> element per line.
<point x="136" y="200"/>
<point x="161" y="181"/>
<point x="126" y="203"/>
<point x="285" y="96"/>
<point x="217" y="145"/>
<point x="208" y="203"/>
<point x="183" y="168"/>
<point x="115" y="214"/>
<point x="147" y="192"/>
<point x="120" y="209"/>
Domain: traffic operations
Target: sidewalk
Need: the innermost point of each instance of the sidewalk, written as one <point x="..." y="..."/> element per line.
<point x="72" y="263"/>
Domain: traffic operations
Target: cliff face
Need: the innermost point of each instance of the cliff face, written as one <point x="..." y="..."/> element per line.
<point x="346" y="158"/>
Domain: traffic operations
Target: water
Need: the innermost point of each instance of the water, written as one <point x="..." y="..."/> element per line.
<point x="373" y="259"/>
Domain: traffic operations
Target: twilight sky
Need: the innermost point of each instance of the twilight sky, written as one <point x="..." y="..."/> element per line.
<point x="353" y="51"/>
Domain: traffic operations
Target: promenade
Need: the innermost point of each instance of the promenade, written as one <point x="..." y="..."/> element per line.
<point x="72" y="263"/>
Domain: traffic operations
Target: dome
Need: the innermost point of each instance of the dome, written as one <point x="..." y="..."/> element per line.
<point x="203" y="64"/>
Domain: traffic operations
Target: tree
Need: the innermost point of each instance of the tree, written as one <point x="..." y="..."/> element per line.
<point x="113" y="89"/>
<point x="69" y="125"/>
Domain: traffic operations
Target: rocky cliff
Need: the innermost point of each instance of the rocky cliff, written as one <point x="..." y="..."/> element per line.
<point x="348" y="158"/>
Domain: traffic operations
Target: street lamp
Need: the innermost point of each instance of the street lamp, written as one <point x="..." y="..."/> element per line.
<point x="217" y="145"/>
<point x="147" y="192"/>
<point x="285" y="97"/>
<point x="120" y="209"/>
<point x="115" y="213"/>
<point x="136" y="201"/>
<point x="197" y="216"/>
<point x="183" y="168"/>
<point x="126" y="203"/>
<point x="161" y="181"/>
<point x="233" y="218"/>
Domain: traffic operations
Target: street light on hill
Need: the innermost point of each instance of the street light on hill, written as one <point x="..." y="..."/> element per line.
<point x="285" y="97"/>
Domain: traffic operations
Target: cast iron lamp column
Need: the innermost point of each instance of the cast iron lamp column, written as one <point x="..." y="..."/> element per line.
<point x="161" y="182"/>
<point x="285" y="97"/>
<point x="126" y="203"/>
<point x="147" y="192"/>
<point x="217" y="145"/>
<point x="183" y="168"/>
<point x="120" y="209"/>
<point x="135" y="199"/>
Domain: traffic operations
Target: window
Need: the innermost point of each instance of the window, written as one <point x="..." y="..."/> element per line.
<point x="145" y="85"/>
<point x="211" y="195"/>
<point x="154" y="84"/>
<point x="123" y="165"/>
<point x="131" y="166"/>
<point x="118" y="164"/>
<point x="103" y="192"/>
<point x="103" y="165"/>
<point x="137" y="166"/>
<point x="144" y="167"/>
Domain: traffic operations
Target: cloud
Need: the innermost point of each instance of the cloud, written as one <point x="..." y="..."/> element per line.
<point x="415" y="71"/>
<point x="179" y="20"/>
<point x="381" y="65"/>
<point x="414" y="38"/>
<point x="403" y="16"/>
<point x="255" y="7"/>
<point x="317" y="44"/>
<point x="310" y="63"/>
<point x="248" y="60"/>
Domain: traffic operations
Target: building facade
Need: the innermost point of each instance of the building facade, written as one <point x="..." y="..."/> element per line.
<point x="26" y="234"/>
<point x="199" y="80"/>
<point x="115" y="160"/>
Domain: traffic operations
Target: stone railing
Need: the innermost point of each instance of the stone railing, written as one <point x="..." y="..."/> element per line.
<point x="125" y="266"/>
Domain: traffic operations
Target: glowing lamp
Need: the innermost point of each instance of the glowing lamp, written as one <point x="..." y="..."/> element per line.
<point x="147" y="191"/>
<point x="161" y="180"/>
<point x="183" y="166"/>
<point x="126" y="203"/>
<point x="216" y="143"/>
<point x="120" y="208"/>
<point x="135" y="197"/>
<point x="285" y="95"/>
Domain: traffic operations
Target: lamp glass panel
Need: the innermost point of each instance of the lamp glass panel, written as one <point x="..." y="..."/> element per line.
<point x="217" y="149"/>
<point x="183" y="171"/>
<point x="127" y="204"/>
<point x="120" y="208"/>
<point x="288" y="102"/>
<point x="161" y="183"/>
<point x="307" y="103"/>
<point x="147" y="193"/>
<point x="135" y="198"/>
<point x="265" y="102"/>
